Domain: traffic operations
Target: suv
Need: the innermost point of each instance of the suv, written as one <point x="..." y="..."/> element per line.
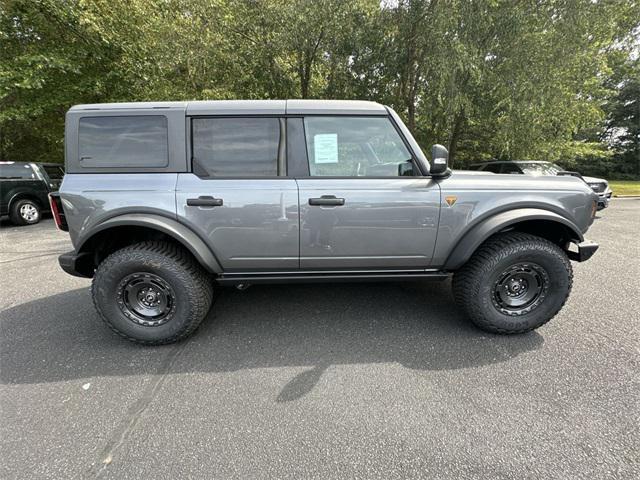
<point x="164" y="201"/>
<point x="24" y="188"/>
<point x="599" y="185"/>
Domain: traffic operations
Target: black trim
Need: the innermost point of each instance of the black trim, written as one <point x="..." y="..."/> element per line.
<point x="329" y="276"/>
<point x="297" y="160"/>
<point x="70" y="263"/>
<point x="585" y="251"/>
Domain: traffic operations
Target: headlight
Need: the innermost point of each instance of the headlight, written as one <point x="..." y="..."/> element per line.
<point x="594" y="185"/>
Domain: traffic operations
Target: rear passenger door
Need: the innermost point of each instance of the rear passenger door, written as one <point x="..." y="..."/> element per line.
<point x="363" y="201"/>
<point x="237" y="196"/>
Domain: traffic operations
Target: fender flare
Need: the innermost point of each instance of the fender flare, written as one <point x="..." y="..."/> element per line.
<point x="21" y="193"/>
<point x="477" y="234"/>
<point x="176" y="230"/>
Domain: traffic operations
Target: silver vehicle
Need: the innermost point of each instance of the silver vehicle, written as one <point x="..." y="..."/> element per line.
<point x="537" y="168"/>
<point x="166" y="201"/>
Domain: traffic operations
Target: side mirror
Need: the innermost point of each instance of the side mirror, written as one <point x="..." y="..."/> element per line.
<point x="439" y="159"/>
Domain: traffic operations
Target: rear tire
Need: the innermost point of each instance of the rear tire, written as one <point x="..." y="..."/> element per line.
<point x="25" y="212"/>
<point x="515" y="282"/>
<point x="152" y="293"/>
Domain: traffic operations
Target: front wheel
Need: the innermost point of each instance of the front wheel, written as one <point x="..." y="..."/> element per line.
<point x="514" y="283"/>
<point x="152" y="293"/>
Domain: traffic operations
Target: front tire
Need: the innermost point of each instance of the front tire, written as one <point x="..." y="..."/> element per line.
<point x="515" y="282"/>
<point x="25" y="212"/>
<point x="152" y="293"/>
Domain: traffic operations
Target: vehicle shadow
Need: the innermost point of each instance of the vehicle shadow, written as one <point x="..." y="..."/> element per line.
<point x="417" y="325"/>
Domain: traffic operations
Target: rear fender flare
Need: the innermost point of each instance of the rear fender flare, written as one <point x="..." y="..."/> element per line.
<point x="176" y="230"/>
<point x="479" y="233"/>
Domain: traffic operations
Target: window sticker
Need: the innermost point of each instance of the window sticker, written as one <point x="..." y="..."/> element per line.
<point x="325" y="147"/>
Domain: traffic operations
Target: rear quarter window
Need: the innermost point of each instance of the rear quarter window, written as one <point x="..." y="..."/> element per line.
<point x="123" y="141"/>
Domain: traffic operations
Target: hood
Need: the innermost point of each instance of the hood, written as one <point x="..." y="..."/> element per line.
<point x="594" y="180"/>
<point x="460" y="179"/>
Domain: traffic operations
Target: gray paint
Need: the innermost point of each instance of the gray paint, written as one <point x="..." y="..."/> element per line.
<point x="255" y="228"/>
<point x="390" y="222"/>
<point x="267" y="224"/>
<point x="334" y="107"/>
<point x="479" y="197"/>
<point x="90" y="199"/>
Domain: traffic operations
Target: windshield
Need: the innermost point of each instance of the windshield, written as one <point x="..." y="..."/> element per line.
<point x="543" y="168"/>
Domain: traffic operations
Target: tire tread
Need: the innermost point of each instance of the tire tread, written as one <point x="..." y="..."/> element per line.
<point x="198" y="279"/>
<point x="468" y="279"/>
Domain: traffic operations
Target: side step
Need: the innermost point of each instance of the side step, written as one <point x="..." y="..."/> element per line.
<point x="329" y="276"/>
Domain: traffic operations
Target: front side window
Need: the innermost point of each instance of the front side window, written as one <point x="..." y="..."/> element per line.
<point x="355" y="147"/>
<point x="236" y="147"/>
<point x="124" y="141"/>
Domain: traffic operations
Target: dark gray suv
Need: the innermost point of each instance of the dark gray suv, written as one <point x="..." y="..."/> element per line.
<point x="164" y="201"/>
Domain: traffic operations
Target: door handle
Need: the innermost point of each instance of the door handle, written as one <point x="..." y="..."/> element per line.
<point x="204" y="201"/>
<point x="327" y="200"/>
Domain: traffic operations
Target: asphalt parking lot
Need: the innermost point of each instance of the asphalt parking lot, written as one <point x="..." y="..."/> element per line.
<point x="322" y="381"/>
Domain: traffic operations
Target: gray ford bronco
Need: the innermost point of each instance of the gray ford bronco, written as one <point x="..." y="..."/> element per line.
<point x="164" y="201"/>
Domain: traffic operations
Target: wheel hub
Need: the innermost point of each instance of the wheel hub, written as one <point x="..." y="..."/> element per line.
<point x="520" y="288"/>
<point x="146" y="299"/>
<point x="28" y="212"/>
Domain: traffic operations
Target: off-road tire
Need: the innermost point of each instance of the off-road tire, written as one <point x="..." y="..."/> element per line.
<point x="16" y="216"/>
<point x="475" y="284"/>
<point x="190" y="285"/>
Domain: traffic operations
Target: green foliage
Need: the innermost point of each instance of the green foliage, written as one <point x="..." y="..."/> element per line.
<point x="531" y="79"/>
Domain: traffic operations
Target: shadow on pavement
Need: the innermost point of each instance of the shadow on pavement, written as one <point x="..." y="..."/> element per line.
<point x="417" y="325"/>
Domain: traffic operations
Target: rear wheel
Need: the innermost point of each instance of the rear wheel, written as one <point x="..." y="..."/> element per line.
<point x="25" y="212"/>
<point x="152" y="293"/>
<point x="514" y="283"/>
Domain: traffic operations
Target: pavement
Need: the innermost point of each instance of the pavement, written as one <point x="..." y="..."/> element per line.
<point x="354" y="381"/>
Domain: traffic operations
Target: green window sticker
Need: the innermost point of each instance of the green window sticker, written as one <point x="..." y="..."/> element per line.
<point x="325" y="147"/>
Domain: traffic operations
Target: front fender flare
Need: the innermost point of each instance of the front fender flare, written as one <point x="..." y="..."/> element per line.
<point x="475" y="236"/>
<point x="176" y="230"/>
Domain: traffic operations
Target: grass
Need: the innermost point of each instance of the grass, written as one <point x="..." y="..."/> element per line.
<point x="625" y="187"/>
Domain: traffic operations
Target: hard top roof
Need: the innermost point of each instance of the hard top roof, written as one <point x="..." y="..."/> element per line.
<point x="510" y="161"/>
<point x="248" y="107"/>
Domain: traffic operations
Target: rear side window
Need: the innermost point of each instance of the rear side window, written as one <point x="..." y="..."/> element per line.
<point x="123" y="141"/>
<point x="16" y="171"/>
<point x="236" y="147"/>
<point x="355" y="147"/>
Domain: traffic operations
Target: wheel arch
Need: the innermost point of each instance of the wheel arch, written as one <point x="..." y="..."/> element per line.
<point x="118" y="232"/>
<point x="25" y="195"/>
<point x="543" y="223"/>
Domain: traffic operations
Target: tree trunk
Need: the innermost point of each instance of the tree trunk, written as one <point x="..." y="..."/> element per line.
<point x="455" y="135"/>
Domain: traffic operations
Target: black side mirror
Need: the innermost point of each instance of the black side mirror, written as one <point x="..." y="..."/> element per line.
<point x="439" y="160"/>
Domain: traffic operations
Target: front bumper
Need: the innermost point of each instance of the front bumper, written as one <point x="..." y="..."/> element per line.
<point x="75" y="264"/>
<point x="585" y="251"/>
<point x="604" y="198"/>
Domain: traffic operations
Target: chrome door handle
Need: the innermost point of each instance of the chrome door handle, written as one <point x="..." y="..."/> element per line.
<point x="204" y="201"/>
<point x="327" y="200"/>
